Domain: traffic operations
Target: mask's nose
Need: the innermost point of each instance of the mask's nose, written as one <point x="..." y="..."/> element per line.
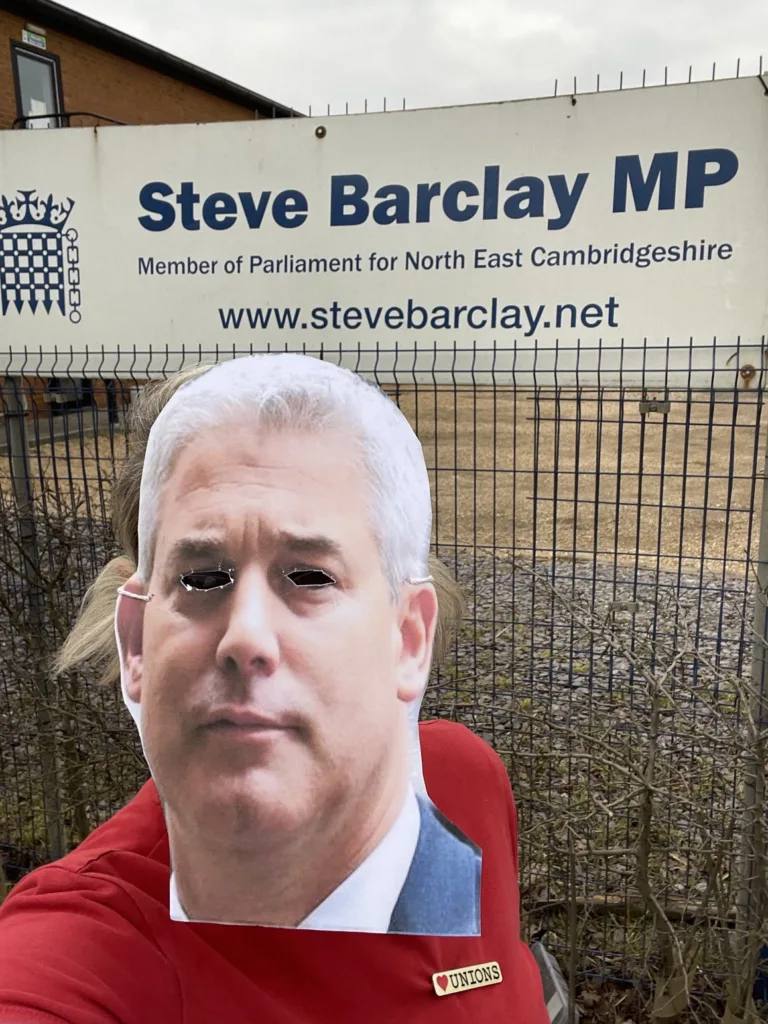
<point x="249" y="645"/>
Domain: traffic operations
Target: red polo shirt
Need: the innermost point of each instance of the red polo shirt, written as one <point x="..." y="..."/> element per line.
<point x="88" y="940"/>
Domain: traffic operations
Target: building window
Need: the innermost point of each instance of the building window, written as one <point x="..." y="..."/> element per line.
<point x="37" y="78"/>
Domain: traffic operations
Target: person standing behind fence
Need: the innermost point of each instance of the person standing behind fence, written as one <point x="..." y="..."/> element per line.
<point x="89" y="939"/>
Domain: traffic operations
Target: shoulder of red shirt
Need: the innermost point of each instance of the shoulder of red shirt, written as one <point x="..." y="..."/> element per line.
<point x="100" y="914"/>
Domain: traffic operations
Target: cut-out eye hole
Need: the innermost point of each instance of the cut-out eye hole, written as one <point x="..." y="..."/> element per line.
<point x="310" y="578"/>
<point x="207" y="579"/>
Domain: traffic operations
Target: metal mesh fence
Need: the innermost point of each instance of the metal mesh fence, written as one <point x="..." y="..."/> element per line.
<point x="601" y="511"/>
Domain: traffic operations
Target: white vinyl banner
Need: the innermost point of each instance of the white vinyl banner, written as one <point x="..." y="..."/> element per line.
<point x="532" y="226"/>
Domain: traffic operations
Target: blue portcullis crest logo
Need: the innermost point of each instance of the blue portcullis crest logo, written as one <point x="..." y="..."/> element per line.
<point x="39" y="256"/>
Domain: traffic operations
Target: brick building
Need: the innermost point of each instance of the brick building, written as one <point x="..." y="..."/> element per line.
<point x="56" y="61"/>
<point x="61" y="69"/>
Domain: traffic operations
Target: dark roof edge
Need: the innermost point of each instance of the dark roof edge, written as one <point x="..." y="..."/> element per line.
<point x="63" y="19"/>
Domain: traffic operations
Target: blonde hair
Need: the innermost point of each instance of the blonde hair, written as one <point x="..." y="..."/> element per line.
<point x="92" y="638"/>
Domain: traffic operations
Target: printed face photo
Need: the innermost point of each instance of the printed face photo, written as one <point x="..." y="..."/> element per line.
<point x="275" y="670"/>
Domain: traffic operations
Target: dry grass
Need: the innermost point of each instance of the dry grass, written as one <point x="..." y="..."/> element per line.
<point x="552" y="473"/>
<point x="581" y="475"/>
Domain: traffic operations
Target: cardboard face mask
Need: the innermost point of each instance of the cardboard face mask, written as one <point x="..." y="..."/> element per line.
<point x="275" y="644"/>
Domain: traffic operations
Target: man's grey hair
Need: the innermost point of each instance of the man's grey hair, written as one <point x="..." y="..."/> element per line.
<point x="303" y="393"/>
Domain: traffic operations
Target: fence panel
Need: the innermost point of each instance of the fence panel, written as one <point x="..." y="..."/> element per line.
<point x="604" y="525"/>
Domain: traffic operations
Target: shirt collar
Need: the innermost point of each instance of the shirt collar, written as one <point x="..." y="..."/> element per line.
<point x="366" y="899"/>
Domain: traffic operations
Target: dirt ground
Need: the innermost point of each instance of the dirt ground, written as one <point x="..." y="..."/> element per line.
<point x="578" y="475"/>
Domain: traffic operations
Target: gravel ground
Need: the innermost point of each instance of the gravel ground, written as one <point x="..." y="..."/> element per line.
<point x="519" y="639"/>
<point x="571" y="721"/>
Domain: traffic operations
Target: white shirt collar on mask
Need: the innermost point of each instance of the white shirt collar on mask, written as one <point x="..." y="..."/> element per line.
<point x="365" y="901"/>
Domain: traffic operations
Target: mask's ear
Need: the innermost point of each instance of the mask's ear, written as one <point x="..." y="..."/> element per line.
<point x="418" y="621"/>
<point x="129" y="631"/>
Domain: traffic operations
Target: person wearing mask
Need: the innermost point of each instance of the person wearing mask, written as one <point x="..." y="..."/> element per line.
<point x="275" y="617"/>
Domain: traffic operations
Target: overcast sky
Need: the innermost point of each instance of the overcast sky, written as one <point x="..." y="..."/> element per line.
<point x="434" y="52"/>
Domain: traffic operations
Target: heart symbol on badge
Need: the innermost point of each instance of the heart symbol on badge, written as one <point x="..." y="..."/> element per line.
<point x="442" y="981"/>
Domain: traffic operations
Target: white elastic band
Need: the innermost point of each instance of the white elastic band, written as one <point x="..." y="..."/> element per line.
<point x="424" y="579"/>
<point x="138" y="597"/>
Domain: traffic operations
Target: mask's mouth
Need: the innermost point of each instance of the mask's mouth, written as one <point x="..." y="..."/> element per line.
<point x="237" y="717"/>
